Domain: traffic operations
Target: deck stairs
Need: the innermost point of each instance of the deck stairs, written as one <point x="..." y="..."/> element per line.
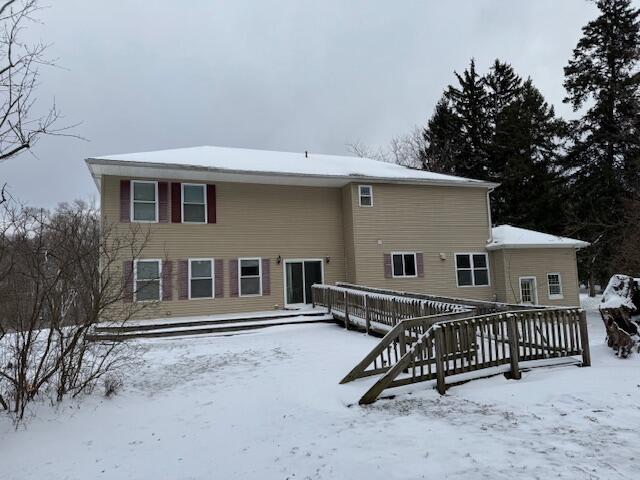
<point x="211" y="325"/>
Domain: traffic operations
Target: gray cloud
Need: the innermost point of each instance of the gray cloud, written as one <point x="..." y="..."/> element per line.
<point x="283" y="75"/>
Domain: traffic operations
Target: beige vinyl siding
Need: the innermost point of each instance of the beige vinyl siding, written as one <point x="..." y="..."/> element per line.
<point x="297" y="222"/>
<point x="349" y="235"/>
<point x="420" y="218"/>
<point x="252" y="221"/>
<point x="496" y="259"/>
<point x="537" y="262"/>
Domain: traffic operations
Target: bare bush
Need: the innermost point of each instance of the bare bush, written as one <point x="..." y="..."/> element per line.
<point x="60" y="274"/>
<point x="112" y="385"/>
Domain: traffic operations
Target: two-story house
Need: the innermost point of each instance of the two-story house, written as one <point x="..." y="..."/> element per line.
<point x="238" y="230"/>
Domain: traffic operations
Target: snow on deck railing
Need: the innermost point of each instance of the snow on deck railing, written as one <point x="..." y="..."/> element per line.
<point x="482" y="306"/>
<point x="380" y="308"/>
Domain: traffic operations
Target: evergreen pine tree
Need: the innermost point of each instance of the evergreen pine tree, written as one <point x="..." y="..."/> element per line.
<point x="500" y="129"/>
<point x="442" y="139"/>
<point x="602" y="78"/>
<point x="525" y="151"/>
<point x="503" y="87"/>
<point x="468" y="102"/>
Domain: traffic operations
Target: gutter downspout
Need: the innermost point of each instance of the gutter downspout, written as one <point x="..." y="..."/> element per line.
<point x="489" y="214"/>
<point x="493" y="282"/>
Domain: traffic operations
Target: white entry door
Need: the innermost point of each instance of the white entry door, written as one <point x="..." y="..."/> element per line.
<point x="528" y="290"/>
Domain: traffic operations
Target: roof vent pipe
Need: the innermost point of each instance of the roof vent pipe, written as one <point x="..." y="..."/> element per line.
<point x="306" y="154"/>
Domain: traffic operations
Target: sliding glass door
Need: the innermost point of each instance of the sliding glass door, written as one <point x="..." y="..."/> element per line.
<point x="300" y="275"/>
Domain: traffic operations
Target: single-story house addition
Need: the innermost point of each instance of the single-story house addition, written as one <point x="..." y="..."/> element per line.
<point x="238" y="230"/>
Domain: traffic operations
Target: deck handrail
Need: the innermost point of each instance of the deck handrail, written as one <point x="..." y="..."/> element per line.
<point x="378" y="312"/>
<point x="394" y="345"/>
<point x="471" y="344"/>
<point x="482" y="306"/>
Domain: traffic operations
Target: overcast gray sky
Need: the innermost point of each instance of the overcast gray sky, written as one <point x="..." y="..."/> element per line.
<point x="280" y="75"/>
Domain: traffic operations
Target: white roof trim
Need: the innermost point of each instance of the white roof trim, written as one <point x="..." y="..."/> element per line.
<point x="579" y="244"/>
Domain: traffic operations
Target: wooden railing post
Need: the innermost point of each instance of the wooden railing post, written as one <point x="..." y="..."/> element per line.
<point x="346" y="310"/>
<point x="394" y="315"/>
<point x="439" y="344"/>
<point x="367" y="314"/>
<point x="402" y="340"/>
<point x="584" y="340"/>
<point x="313" y="296"/>
<point x="514" y="347"/>
<point x="329" y="299"/>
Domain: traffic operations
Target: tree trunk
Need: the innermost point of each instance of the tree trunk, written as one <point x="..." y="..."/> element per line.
<point x="592" y="285"/>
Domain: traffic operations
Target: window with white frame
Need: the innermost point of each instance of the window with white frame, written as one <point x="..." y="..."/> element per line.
<point x="148" y="286"/>
<point x="404" y="264"/>
<point x="250" y="276"/>
<point x="201" y="278"/>
<point x="365" y="193"/>
<point x="555" y="285"/>
<point x="472" y="269"/>
<point x="194" y="203"/>
<point x="144" y="201"/>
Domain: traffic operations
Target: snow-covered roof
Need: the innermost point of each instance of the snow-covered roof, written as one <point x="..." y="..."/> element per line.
<point x="264" y="166"/>
<point x="506" y="236"/>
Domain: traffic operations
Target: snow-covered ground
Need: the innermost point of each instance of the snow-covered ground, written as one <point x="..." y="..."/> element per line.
<point x="267" y="405"/>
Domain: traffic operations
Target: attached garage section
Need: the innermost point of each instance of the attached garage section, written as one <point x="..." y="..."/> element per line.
<point x="533" y="267"/>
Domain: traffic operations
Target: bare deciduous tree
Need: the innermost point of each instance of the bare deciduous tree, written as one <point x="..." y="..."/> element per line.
<point x="22" y="120"/>
<point x="403" y="150"/>
<point x="60" y="274"/>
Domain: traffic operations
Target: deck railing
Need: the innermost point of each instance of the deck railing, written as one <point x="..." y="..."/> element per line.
<point x="452" y="347"/>
<point x="395" y="344"/>
<point x="481" y="306"/>
<point x="426" y="338"/>
<point x="378" y="312"/>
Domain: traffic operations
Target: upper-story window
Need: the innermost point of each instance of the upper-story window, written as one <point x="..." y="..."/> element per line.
<point x="404" y="264"/>
<point x="472" y="269"/>
<point x="194" y="203"/>
<point x="555" y="286"/>
<point x="365" y="193"/>
<point x="144" y="205"/>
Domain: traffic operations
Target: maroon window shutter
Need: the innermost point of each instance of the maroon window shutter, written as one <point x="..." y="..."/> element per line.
<point x="163" y="202"/>
<point x="125" y="201"/>
<point x="266" y="276"/>
<point x="219" y="278"/>
<point x="167" y="280"/>
<point x="127" y="281"/>
<point x="183" y="279"/>
<point x="211" y="204"/>
<point x="233" y="277"/>
<point x="387" y="266"/>
<point x="176" y="203"/>
<point x="420" y="264"/>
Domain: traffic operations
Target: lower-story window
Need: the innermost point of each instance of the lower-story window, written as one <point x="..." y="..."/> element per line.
<point x="472" y="269"/>
<point x="250" y="277"/>
<point x="404" y="264"/>
<point x="555" y="286"/>
<point x="148" y="286"/>
<point x="201" y="278"/>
